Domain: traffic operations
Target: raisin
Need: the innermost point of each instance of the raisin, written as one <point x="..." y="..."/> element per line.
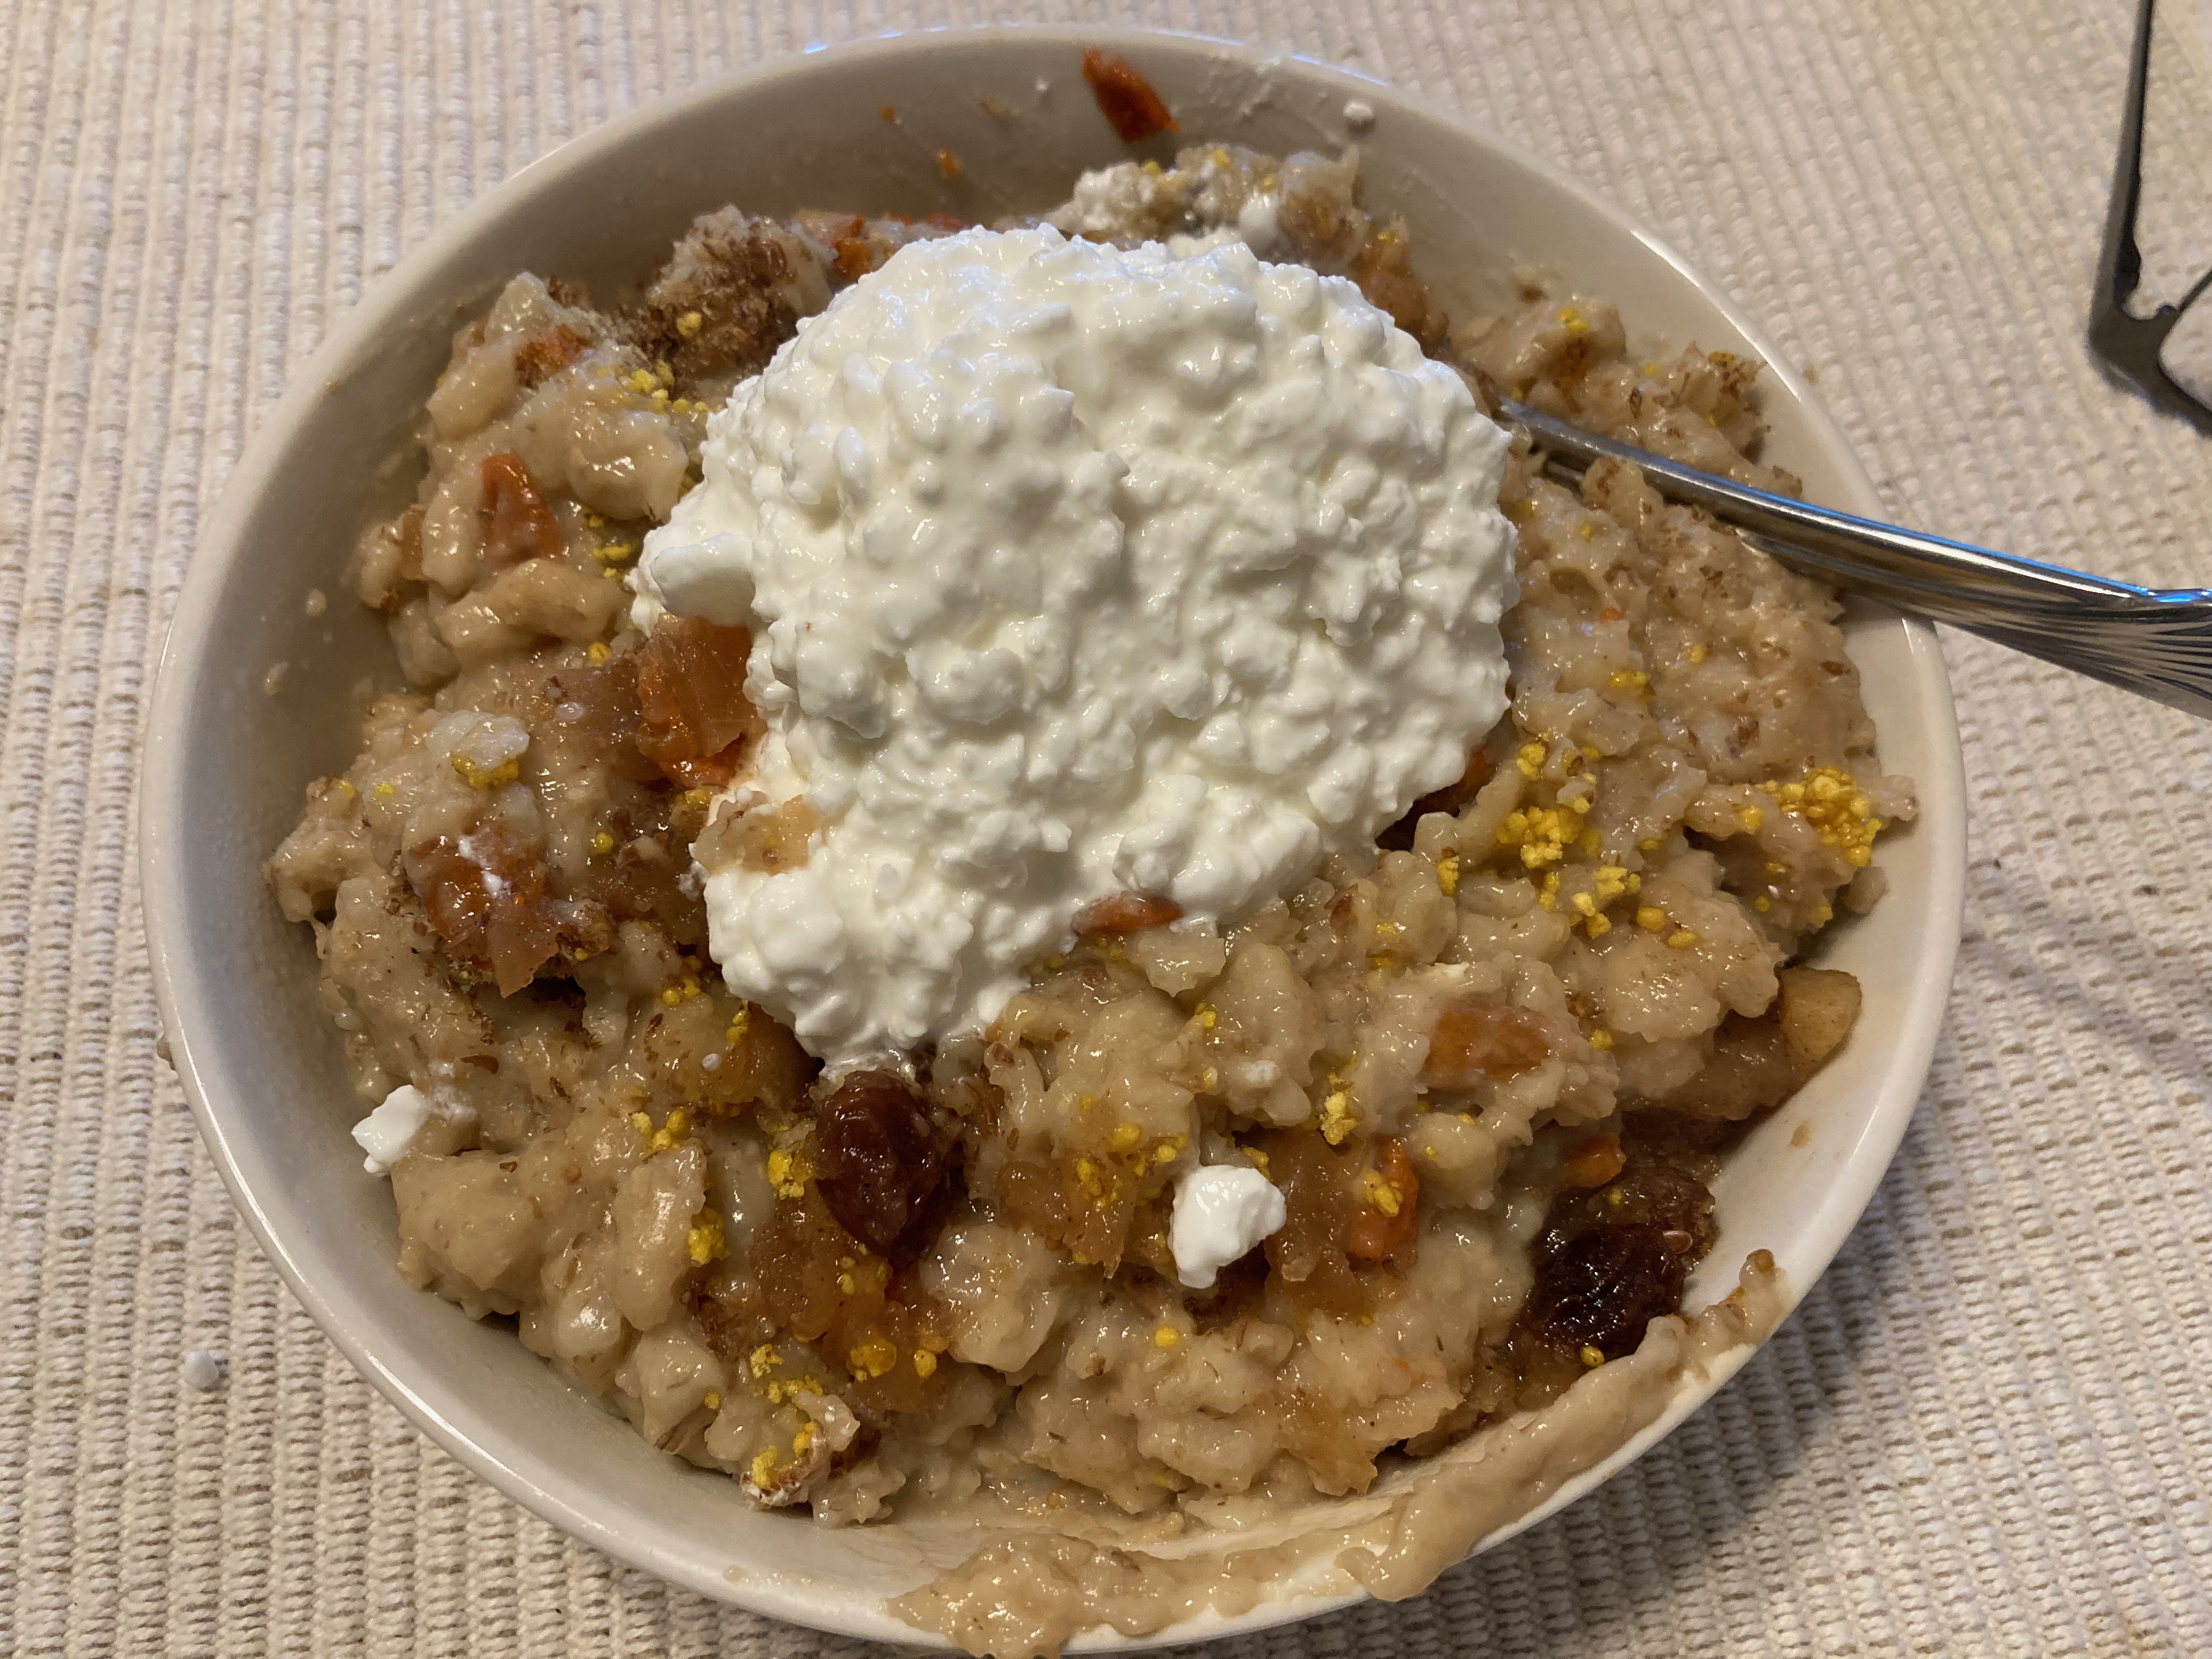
<point x="1649" y="1191"/>
<point x="879" y="1163"/>
<point x="1611" y="1258"/>
<point x="1125" y="98"/>
<point x="1602" y="1289"/>
<point x="1543" y="1368"/>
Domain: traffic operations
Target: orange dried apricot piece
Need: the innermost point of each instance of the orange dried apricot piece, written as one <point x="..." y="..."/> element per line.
<point x="1125" y="98"/>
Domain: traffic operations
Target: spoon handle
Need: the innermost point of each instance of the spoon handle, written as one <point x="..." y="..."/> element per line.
<point x="2156" y="642"/>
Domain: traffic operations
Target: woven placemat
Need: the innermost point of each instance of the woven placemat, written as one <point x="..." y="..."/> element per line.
<point x="1988" y="1431"/>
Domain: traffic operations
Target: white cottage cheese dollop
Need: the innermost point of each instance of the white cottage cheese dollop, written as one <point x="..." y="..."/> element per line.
<point x="388" y="1134"/>
<point x="1221" y="1211"/>
<point x="1072" y="571"/>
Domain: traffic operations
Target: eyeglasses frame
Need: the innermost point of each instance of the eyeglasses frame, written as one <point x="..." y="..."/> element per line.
<point x="2130" y="345"/>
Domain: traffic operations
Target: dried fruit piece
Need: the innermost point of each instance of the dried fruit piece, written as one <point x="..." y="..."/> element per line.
<point x="1310" y="1252"/>
<point x="1603" y="1289"/>
<point x="855" y="259"/>
<point x="692" y="693"/>
<point x="1592" y="1162"/>
<point x="1475" y="1041"/>
<point x="877" y="1322"/>
<point x="1611" y="1258"/>
<point x="489" y="899"/>
<point x="847" y="236"/>
<point x="517" y="523"/>
<point x="1818" y="1007"/>
<point x="879" y="1162"/>
<point x="1758" y="1063"/>
<point x="597" y="709"/>
<point x="1392" y="1212"/>
<point x="1650" y="1189"/>
<point x="1125" y="98"/>
<point x="710" y="773"/>
<point x="1126" y="913"/>
<point x="1748" y="1071"/>
<point x="794" y="1259"/>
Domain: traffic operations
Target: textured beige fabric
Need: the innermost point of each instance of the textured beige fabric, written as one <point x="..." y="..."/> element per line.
<point x="1988" y="1431"/>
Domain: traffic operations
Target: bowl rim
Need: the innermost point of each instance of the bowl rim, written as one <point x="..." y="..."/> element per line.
<point x="384" y="300"/>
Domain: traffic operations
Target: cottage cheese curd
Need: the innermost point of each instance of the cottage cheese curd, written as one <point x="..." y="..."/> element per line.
<point x="1076" y="570"/>
<point x="1221" y="1211"/>
<point x="1106" y="201"/>
<point x="388" y="1134"/>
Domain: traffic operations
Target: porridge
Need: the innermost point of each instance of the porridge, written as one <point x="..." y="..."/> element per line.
<point x="1191" y="1207"/>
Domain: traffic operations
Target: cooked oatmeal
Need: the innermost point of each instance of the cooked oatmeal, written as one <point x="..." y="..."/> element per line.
<point x="1489" y="1066"/>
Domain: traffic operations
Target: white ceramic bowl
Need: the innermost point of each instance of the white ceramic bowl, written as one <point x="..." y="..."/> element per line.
<point x="226" y="760"/>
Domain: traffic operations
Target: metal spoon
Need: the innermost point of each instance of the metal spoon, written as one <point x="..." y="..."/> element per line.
<point x="2156" y="642"/>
